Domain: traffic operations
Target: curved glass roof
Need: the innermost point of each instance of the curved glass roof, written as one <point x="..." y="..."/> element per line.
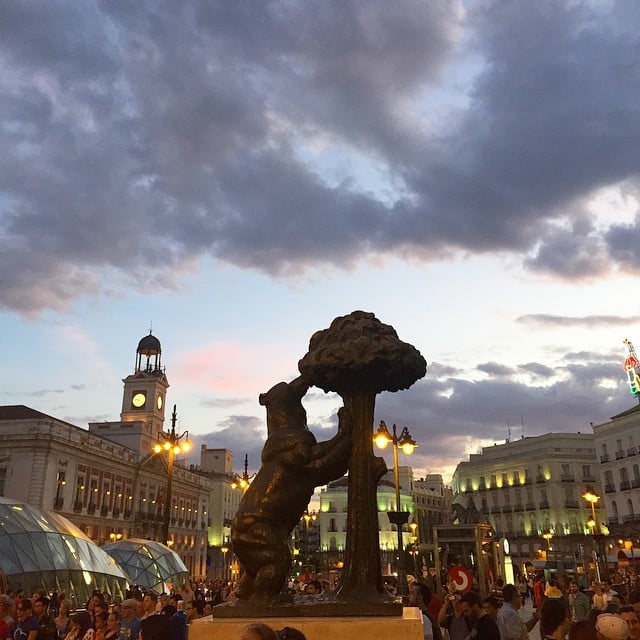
<point x="149" y="564"/>
<point x="39" y="549"/>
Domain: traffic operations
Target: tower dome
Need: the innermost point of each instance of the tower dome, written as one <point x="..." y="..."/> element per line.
<point x="149" y="348"/>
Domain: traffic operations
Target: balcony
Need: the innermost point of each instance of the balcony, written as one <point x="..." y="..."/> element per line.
<point x="590" y="479"/>
<point x="77" y="506"/>
<point x="612" y="520"/>
<point x="619" y="454"/>
<point x="544" y="504"/>
<point x="58" y="503"/>
<point x="127" y="514"/>
<point x="540" y="479"/>
<point x="91" y="509"/>
<point x="104" y="510"/>
<point x="604" y="458"/>
<point x="496" y="510"/>
<point x="116" y="512"/>
<point x="630" y="518"/>
<point x="635" y="483"/>
<point x="507" y="509"/>
<point x="632" y="451"/>
<point x="571" y="504"/>
<point x="518" y="507"/>
<point x="203" y="525"/>
<point x="567" y="477"/>
<point x="609" y="488"/>
<point x="625" y="486"/>
<point x="530" y="506"/>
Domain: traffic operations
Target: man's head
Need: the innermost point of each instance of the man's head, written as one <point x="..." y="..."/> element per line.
<point x="40" y="607"/>
<point x="313" y="587"/>
<point x="149" y="602"/>
<point x="194" y="609"/>
<point x="470" y="605"/>
<point x="23" y="609"/>
<point x="511" y="595"/>
<point x="419" y="595"/>
<point x="554" y="616"/>
<point x="128" y="609"/>
<point x="574" y="587"/>
<point x="491" y="606"/>
<point x="611" y="626"/>
<point x="630" y="616"/>
<point x="606" y="586"/>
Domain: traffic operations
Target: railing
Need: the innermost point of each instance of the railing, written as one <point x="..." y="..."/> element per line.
<point x="588" y="479"/>
<point x="530" y="506"/>
<point x="495" y="510"/>
<point x="567" y="477"/>
<point x="518" y="507"/>
<point x="116" y="512"/>
<point x="604" y="457"/>
<point x="540" y="479"/>
<point x="127" y="514"/>
<point x="632" y="451"/>
<point x="77" y="506"/>
<point x="619" y="454"/>
<point x="58" y="503"/>
<point x="609" y="488"/>
<point x="507" y="509"/>
<point x="635" y="483"/>
<point x="630" y="518"/>
<point x="544" y="504"/>
<point x="612" y="520"/>
<point x="571" y="504"/>
<point x="91" y="509"/>
<point x="625" y="486"/>
<point x="104" y="510"/>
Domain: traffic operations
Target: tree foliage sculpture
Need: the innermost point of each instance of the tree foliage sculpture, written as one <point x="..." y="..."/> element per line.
<point x="358" y="357"/>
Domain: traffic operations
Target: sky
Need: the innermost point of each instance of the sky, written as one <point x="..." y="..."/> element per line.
<point x="237" y="174"/>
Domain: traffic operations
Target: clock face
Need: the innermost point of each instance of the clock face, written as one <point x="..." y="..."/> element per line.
<point x="138" y="399"/>
<point x="159" y="402"/>
<point x="505" y="546"/>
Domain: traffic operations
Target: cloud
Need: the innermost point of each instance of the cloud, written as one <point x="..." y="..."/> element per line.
<point x="550" y="321"/>
<point x="295" y="137"/>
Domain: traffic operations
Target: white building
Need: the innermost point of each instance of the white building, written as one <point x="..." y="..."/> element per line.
<point x="617" y="445"/>
<point x="531" y="486"/>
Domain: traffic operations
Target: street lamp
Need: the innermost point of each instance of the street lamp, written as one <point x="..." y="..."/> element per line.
<point x="413" y="525"/>
<point x="244" y="480"/>
<point x="308" y="517"/>
<point x="547" y="535"/>
<point x="170" y="442"/>
<point x="405" y="442"/>
<point x="592" y="498"/>
<point x="224" y="550"/>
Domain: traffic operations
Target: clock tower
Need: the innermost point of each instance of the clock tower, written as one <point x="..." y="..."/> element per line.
<point x="145" y="389"/>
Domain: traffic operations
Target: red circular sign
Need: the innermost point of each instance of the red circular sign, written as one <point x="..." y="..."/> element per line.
<point x="461" y="578"/>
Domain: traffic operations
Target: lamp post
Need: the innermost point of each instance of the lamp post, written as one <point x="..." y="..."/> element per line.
<point x="308" y="517"/>
<point x="244" y="480"/>
<point x="413" y="525"/>
<point x="170" y="442"/>
<point x="405" y="442"/>
<point x="224" y="548"/>
<point x="592" y="498"/>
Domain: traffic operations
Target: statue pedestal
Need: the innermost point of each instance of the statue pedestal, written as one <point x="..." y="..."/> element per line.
<point x="408" y="627"/>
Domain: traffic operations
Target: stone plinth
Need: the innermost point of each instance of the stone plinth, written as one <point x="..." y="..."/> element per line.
<point x="408" y="627"/>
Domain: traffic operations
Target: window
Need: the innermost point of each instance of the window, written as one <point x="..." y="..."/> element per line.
<point x="586" y="471"/>
<point x="516" y="477"/>
<point x="3" y="478"/>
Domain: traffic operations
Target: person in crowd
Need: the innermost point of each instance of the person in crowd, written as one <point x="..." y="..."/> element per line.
<point x="555" y="619"/>
<point x="485" y="627"/>
<point x="313" y="588"/>
<point x="583" y="630"/>
<point x="129" y="623"/>
<point x="610" y="626"/>
<point x="610" y="595"/>
<point x="552" y="590"/>
<point x="579" y="603"/>
<point x="101" y="624"/>
<point x="634" y="600"/>
<point x="510" y="624"/>
<point x="258" y="631"/>
<point x="491" y="606"/>
<point x="25" y="626"/>
<point x="629" y="615"/>
<point x="62" y="621"/>
<point x="450" y="618"/>
<point x="149" y="603"/>
<point x="194" y="610"/>
<point x="156" y="628"/>
<point x="290" y="633"/>
<point x="5" y="617"/>
<point x="113" y="625"/>
<point x="81" y="627"/>
<point x="417" y="594"/>
<point x="47" y="627"/>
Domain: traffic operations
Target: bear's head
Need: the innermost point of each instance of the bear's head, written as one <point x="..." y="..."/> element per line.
<point x="284" y="405"/>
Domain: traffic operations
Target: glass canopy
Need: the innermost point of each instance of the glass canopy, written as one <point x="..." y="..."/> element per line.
<point x="43" y="550"/>
<point x="148" y="564"/>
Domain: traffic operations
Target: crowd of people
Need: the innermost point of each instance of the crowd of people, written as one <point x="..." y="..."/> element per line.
<point x="563" y="609"/>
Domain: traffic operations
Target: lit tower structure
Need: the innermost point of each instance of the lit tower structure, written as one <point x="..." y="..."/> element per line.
<point x="632" y="368"/>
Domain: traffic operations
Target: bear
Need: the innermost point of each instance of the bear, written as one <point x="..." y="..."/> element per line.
<point x="293" y="465"/>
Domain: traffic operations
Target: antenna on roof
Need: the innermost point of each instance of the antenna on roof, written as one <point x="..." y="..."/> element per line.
<point x="522" y="425"/>
<point x="151" y="327"/>
<point x="508" y="430"/>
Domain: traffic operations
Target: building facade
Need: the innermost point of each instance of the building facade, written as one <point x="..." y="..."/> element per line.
<point x="617" y="445"/>
<point x="533" y="487"/>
